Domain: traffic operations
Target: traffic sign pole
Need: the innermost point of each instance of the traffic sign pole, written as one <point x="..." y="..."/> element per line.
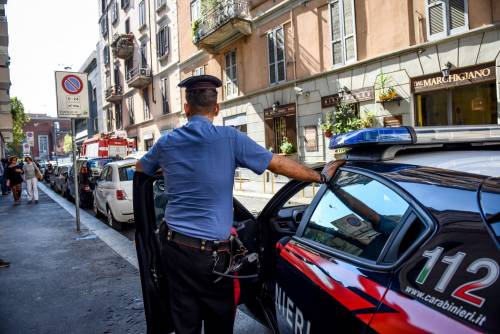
<point x="75" y="177"/>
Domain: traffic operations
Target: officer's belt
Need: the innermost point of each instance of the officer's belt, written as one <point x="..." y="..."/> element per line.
<point x="197" y="243"/>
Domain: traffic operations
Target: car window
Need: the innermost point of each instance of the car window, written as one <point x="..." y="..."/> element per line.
<point x="126" y="173"/>
<point x="304" y="196"/>
<point x="102" y="177"/>
<point x="109" y="174"/>
<point x="356" y="216"/>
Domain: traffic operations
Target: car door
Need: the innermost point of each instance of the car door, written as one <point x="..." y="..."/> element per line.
<point x="99" y="190"/>
<point x="331" y="274"/>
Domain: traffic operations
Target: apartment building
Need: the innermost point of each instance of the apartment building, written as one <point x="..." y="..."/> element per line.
<point x="6" y="135"/>
<point x="138" y="66"/>
<point x="48" y="136"/>
<point x="286" y="63"/>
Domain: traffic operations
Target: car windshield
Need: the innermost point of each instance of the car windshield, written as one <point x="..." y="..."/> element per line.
<point x="126" y="173"/>
<point x="98" y="163"/>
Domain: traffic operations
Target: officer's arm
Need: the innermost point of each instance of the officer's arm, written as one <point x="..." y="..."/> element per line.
<point x="288" y="167"/>
<point x="138" y="166"/>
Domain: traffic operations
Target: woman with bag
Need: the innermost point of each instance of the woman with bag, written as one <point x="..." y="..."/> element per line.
<point x="14" y="179"/>
<point x="32" y="174"/>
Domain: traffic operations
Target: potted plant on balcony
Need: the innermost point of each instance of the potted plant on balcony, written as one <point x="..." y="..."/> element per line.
<point x="326" y="125"/>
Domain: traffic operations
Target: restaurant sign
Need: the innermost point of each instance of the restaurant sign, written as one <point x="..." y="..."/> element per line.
<point x="354" y="96"/>
<point x="457" y="78"/>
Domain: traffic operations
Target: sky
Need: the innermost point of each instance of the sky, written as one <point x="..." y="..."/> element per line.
<point x="46" y="36"/>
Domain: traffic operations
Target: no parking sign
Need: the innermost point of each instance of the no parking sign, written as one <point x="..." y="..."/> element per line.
<point x="72" y="95"/>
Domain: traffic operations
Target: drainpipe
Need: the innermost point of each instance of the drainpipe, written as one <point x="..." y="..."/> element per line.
<point x="151" y="52"/>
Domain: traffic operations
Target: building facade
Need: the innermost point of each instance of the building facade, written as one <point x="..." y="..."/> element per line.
<point x="139" y="68"/>
<point x="6" y="135"/>
<point x="86" y="128"/>
<point x="286" y="63"/>
<point x="47" y="135"/>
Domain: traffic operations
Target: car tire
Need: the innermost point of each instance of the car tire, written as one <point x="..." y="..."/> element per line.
<point x="112" y="222"/>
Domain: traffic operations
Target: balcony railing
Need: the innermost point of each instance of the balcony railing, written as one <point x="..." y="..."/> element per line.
<point x="228" y="19"/>
<point x="114" y="93"/>
<point x="123" y="45"/>
<point x="139" y="77"/>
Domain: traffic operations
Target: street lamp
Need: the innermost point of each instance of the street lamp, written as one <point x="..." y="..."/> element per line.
<point x="445" y="70"/>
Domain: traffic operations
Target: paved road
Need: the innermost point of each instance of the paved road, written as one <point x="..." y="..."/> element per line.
<point x="244" y="323"/>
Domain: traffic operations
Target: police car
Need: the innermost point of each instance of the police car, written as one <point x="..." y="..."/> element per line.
<point x="404" y="239"/>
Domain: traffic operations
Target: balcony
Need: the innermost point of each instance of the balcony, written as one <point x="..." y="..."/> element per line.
<point x="227" y="21"/>
<point x="4" y="97"/>
<point x="139" y="77"/>
<point x="6" y="126"/>
<point x="4" y="31"/>
<point x="4" y="78"/>
<point x="123" y="45"/>
<point x="114" y="93"/>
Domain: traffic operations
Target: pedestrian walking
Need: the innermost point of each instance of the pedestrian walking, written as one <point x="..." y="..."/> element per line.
<point x="198" y="161"/>
<point x="31" y="174"/>
<point x="14" y="178"/>
<point x="3" y="165"/>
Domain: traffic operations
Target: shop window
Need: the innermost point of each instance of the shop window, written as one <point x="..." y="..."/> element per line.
<point x="237" y="121"/>
<point x="467" y="105"/>
<point x="230" y="76"/>
<point x="280" y="123"/>
<point x="446" y="17"/>
<point x="276" y="53"/>
<point x="343" y="31"/>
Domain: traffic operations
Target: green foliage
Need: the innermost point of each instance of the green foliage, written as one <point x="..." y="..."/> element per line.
<point x="208" y="5"/>
<point x="327" y="124"/>
<point x="195" y="25"/>
<point x="346" y="119"/>
<point x="286" y="147"/>
<point x="68" y="144"/>
<point x="19" y="119"/>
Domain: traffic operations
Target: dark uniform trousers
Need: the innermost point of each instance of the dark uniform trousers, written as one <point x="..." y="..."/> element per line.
<point x="194" y="297"/>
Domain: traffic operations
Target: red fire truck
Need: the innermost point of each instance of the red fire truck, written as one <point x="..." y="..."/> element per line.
<point x="107" y="145"/>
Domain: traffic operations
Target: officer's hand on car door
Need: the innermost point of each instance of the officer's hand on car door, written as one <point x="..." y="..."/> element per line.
<point x="331" y="168"/>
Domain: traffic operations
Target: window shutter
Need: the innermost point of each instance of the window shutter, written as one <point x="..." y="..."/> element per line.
<point x="158" y="43"/>
<point x="457" y="13"/>
<point x="436" y="10"/>
<point x="167" y="40"/>
<point x="349" y="30"/>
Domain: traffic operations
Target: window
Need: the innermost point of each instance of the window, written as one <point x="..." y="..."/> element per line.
<point x="103" y="6"/>
<point x="145" y="99"/>
<point x="276" y="47"/>
<point x="280" y="122"/>
<point x="160" y="3"/>
<point x="230" y="77"/>
<point x="96" y="125"/>
<point x="126" y="173"/>
<point x="164" y="96"/>
<point x="94" y="94"/>
<point x="105" y="55"/>
<point x="356" y="216"/>
<point x="144" y="54"/>
<point x="108" y="80"/>
<point x="118" y="116"/>
<point x="162" y="39"/>
<point x="109" y="119"/>
<point x="104" y="25"/>
<point x="142" y="14"/>
<point x="195" y="10"/>
<point x="109" y="174"/>
<point x="129" y="65"/>
<point x="43" y="146"/>
<point x="127" y="26"/>
<point x="238" y="121"/>
<point x="114" y="12"/>
<point x="148" y="143"/>
<point x="116" y="74"/>
<point x="130" y="105"/>
<point x="199" y="71"/>
<point x="446" y="17"/>
<point x="125" y="4"/>
<point x="342" y="31"/>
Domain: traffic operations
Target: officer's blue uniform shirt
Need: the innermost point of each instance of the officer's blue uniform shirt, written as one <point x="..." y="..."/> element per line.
<point x="198" y="162"/>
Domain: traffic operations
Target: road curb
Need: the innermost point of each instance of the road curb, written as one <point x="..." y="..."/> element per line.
<point x="117" y="242"/>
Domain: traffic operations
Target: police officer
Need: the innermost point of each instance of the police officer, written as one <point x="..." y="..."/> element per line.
<point x="198" y="161"/>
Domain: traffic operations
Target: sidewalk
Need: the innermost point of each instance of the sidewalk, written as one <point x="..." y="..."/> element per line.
<point x="61" y="281"/>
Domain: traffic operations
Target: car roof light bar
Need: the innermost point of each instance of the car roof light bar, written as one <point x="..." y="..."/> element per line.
<point x="458" y="134"/>
<point x="374" y="136"/>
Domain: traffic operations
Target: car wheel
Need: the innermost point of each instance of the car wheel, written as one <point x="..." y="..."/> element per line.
<point x="112" y="221"/>
<point x="97" y="213"/>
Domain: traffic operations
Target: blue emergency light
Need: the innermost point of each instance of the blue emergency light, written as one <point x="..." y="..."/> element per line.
<point x="374" y="136"/>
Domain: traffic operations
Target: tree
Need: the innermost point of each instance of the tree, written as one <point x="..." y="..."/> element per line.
<point x="19" y="119"/>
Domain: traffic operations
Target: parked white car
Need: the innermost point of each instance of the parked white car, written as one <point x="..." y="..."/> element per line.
<point x="113" y="193"/>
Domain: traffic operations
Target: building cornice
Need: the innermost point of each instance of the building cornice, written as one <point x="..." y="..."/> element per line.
<point x="198" y="56"/>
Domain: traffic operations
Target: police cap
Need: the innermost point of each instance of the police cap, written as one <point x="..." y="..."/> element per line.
<point x="200" y="82"/>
